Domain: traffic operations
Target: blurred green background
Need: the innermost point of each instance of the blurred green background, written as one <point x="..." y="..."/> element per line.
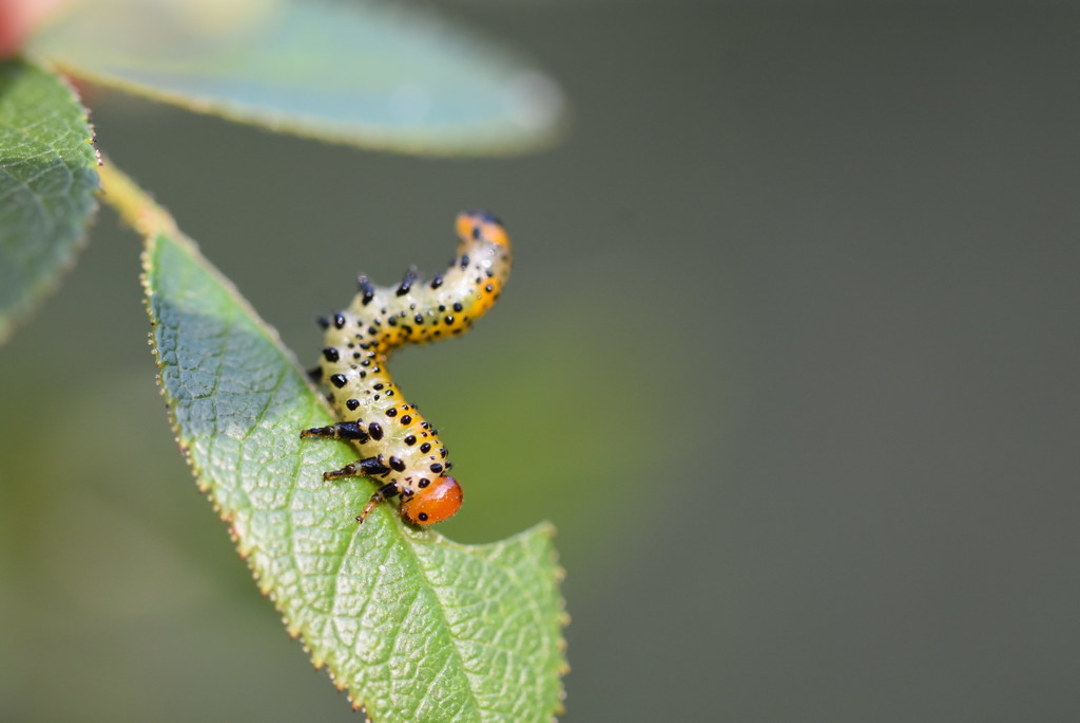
<point x="789" y="357"/>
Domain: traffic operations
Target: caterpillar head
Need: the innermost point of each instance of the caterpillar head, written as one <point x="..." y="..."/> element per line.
<point x="482" y="226"/>
<point x="434" y="503"/>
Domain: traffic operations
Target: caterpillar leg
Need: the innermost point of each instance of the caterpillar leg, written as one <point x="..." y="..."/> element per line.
<point x="367" y="467"/>
<point x="340" y="430"/>
<point x="383" y="493"/>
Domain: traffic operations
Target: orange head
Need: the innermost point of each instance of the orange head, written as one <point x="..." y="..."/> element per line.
<point x="434" y="503"/>
<point x="483" y="226"/>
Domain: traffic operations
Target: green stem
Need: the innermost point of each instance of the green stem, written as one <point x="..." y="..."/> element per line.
<point x="134" y="205"/>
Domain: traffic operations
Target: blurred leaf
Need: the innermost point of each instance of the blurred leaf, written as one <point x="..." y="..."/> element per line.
<point x="47" y="184"/>
<point x="416" y="627"/>
<point x="364" y="73"/>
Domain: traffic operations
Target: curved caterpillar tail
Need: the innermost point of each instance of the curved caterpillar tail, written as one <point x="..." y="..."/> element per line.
<point x="401" y="449"/>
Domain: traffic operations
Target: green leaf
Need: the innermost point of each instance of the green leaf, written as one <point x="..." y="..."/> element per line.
<point x="414" y="626"/>
<point x="371" y="74"/>
<point x="47" y="184"/>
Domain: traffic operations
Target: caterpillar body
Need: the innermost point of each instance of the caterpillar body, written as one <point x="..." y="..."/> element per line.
<point x="401" y="450"/>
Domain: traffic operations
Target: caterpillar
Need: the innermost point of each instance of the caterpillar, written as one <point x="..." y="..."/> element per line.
<point x="401" y="450"/>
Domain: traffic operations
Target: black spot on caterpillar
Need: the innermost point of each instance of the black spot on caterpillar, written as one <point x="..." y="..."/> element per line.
<point x="357" y="344"/>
